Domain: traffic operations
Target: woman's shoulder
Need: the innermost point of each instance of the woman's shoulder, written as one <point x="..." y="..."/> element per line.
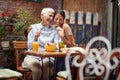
<point x="67" y="29"/>
<point x="65" y="25"/>
<point x="38" y="24"/>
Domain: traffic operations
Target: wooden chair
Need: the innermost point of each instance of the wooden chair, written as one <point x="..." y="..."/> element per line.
<point x="18" y="46"/>
<point x="95" y="62"/>
<point x="117" y="69"/>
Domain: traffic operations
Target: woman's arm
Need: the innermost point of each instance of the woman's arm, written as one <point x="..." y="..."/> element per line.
<point x="68" y="38"/>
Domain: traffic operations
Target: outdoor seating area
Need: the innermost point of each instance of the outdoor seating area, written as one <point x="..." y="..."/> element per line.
<point x="59" y="40"/>
<point x="84" y="56"/>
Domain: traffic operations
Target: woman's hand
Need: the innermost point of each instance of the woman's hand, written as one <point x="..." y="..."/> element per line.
<point x="37" y="34"/>
<point x="49" y="44"/>
<point x="60" y="31"/>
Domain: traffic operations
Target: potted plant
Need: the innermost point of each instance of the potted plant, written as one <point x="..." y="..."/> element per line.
<point x="22" y="23"/>
<point x="4" y="43"/>
<point x="5" y="19"/>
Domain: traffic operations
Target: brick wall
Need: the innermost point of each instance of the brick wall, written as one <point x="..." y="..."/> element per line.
<point x="33" y="7"/>
<point x="10" y="6"/>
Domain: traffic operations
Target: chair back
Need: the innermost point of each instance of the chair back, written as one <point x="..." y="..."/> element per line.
<point x="93" y="61"/>
<point x="18" y="46"/>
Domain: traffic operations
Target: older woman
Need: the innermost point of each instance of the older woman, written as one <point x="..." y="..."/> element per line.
<point x="41" y="32"/>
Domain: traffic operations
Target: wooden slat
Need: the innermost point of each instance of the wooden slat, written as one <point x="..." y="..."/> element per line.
<point x="20" y="44"/>
<point x="86" y="5"/>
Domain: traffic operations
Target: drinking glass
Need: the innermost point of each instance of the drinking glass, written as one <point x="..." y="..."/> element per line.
<point x="61" y="45"/>
<point x="35" y="46"/>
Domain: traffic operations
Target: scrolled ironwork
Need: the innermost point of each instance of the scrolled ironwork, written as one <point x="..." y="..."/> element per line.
<point x="94" y="60"/>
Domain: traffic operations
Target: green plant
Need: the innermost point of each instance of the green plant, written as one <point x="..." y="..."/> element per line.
<point x="23" y="21"/>
<point x="2" y="31"/>
<point x="6" y="18"/>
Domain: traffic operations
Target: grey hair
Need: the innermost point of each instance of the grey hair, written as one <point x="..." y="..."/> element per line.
<point x="46" y="10"/>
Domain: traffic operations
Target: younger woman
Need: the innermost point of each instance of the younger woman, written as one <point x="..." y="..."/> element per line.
<point x="63" y="28"/>
<point x="65" y="33"/>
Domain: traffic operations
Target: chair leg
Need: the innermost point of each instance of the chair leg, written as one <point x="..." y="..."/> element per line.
<point x="117" y="71"/>
<point x="27" y="76"/>
<point x="12" y="79"/>
<point x="59" y="78"/>
<point x="24" y="76"/>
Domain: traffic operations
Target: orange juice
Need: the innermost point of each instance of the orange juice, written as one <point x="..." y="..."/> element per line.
<point x="35" y="46"/>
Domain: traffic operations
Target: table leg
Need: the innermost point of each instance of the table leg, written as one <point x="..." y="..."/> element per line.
<point x="42" y="67"/>
<point x="54" y="70"/>
<point x="49" y="69"/>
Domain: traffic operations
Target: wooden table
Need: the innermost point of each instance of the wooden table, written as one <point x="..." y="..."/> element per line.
<point x="44" y="54"/>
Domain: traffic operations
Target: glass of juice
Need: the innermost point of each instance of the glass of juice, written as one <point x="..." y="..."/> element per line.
<point x="35" y="46"/>
<point x="61" y="45"/>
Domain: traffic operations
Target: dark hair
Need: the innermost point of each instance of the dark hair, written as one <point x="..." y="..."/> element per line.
<point x="61" y="12"/>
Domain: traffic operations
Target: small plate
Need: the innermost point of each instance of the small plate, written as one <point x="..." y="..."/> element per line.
<point x="72" y="49"/>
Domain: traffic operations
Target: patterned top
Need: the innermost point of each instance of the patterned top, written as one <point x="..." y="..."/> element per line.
<point x="47" y="34"/>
